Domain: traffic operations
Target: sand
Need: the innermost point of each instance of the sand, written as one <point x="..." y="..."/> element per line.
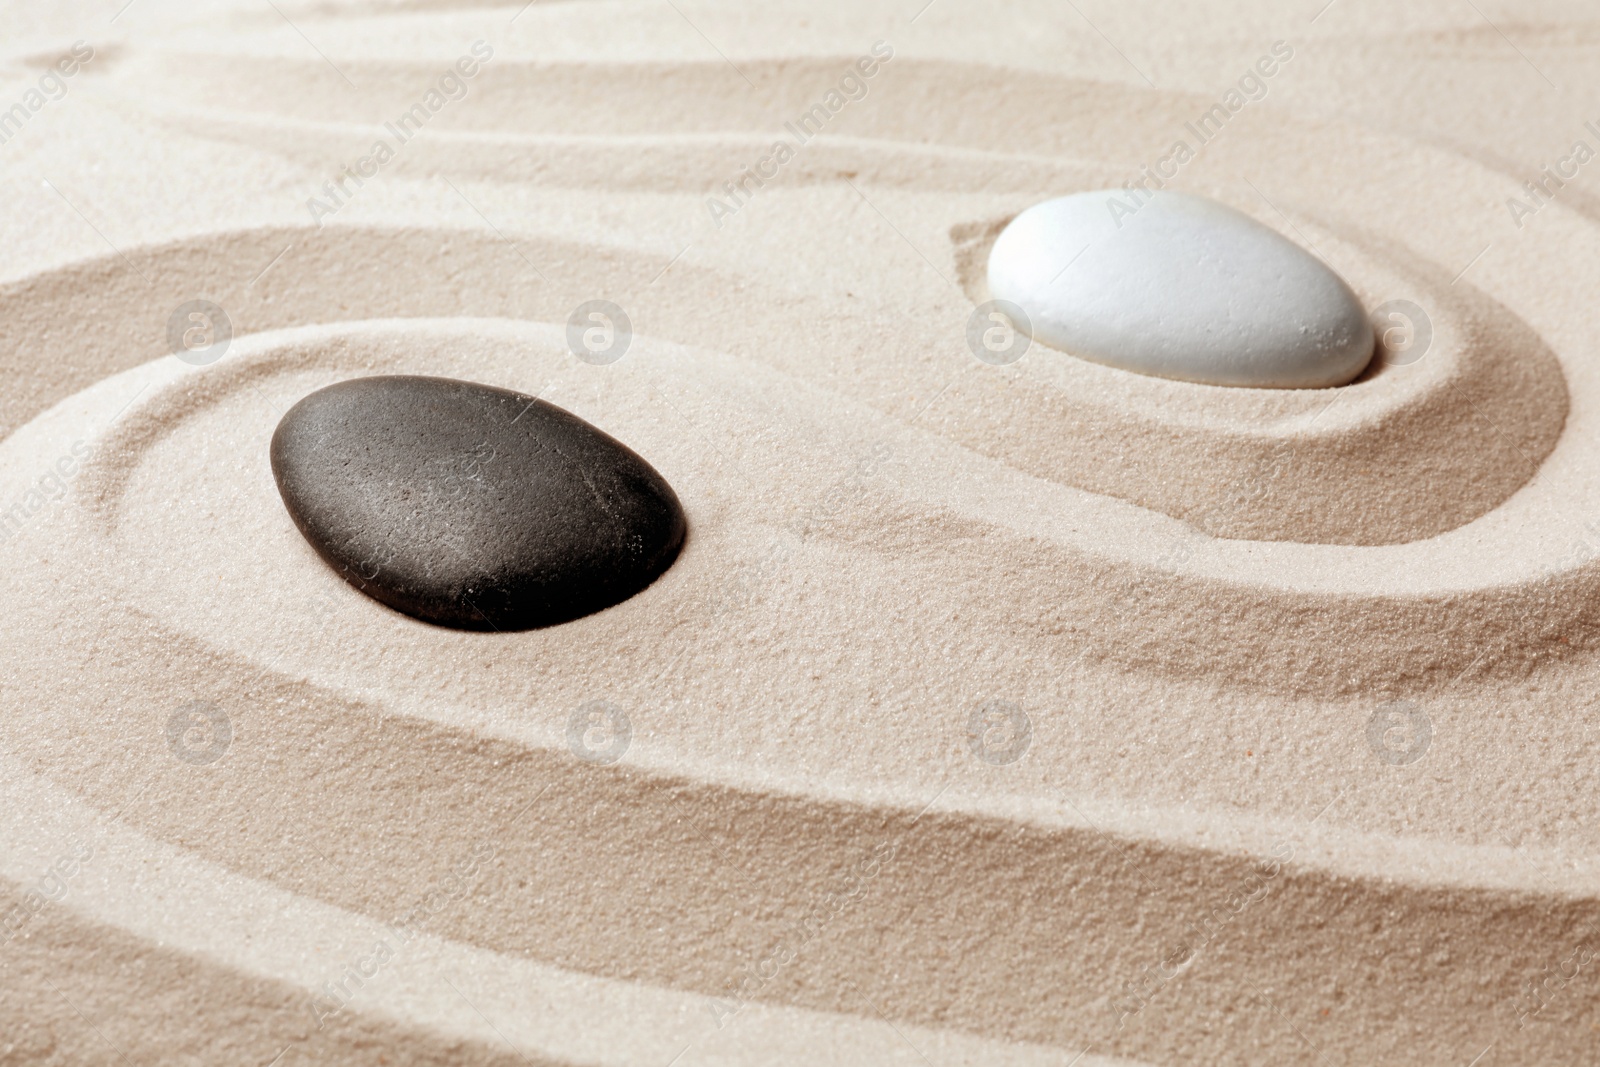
<point x="1035" y="714"/>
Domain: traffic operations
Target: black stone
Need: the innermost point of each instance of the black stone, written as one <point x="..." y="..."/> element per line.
<point x="471" y="506"/>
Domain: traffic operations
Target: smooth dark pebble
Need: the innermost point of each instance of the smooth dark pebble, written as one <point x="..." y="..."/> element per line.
<point x="470" y="506"/>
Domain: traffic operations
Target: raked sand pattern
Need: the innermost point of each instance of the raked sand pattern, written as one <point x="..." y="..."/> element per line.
<point x="994" y="712"/>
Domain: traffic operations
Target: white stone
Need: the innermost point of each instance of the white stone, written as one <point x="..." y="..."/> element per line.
<point x="1180" y="287"/>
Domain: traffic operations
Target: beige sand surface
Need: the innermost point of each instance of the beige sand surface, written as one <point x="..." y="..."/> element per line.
<point x="1309" y="770"/>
